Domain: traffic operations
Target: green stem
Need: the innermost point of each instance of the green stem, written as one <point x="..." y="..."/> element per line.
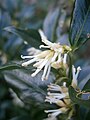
<point x="70" y="68"/>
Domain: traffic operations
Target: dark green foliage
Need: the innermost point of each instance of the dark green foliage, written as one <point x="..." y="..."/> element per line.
<point x="76" y="97"/>
<point x="31" y="89"/>
<point x="31" y="36"/>
<point x="80" y="23"/>
<point x="51" y="23"/>
<point x="23" y="19"/>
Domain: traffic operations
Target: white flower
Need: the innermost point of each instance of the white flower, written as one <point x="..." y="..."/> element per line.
<point x="33" y="51"/>
<point x="55" y="56"/>
<point x="54" y="113"/>
<point x="60" y="97"/>
<point x="75" y="73"/>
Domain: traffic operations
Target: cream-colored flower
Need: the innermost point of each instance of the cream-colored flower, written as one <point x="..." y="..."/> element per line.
<point x="57" y="111"/>
<point x="33" y="51"/>
<point x="59" y="95"/>
<point x="75" y="73"/>
<point x="55" y="56"/>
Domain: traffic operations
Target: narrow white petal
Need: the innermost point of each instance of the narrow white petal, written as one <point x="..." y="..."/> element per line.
<point x="39" y="68"/>
<point x="79" y="68"/>
<point x="51" y="100"/>
<point x="43" y="46"/>
<point x="48" y="72"/>
<point x="78" y="71"/>
<point x="48" y="111"/>
<point x="36" y="72"/>
<point x="54" y="87"/>
<point x="29" y="62"/>
<point x="25" y="42"/>
<point x="24" y="57"/>
<point x="54" y="57"/>
<point x="38" y="63"/>
<point x="33" y="51"/>
<point x="44" y="39"/>
<point x="64" y="84"/>
<point x="44" y="73"/>
<point x="73" y="72"/>
<point x="43" y="64"/>
<point x="65" y="59"/>
<point x="58" y="95"/>
<point x="42" y="35"/>
<point x="59" y="58"/>
<point x="60" y="50"/>
<point x="53" y="112"/>
<point x="75" y="76"/>
<point x="56" y="112"/>
<point x="43" y="54"/>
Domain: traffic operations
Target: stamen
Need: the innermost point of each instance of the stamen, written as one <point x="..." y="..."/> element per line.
<point x="43" y="46"/>
<point x="54" y="87"/>
<point x="54" y="57"/>
<point x="78" y="71"/>
<point x="37" y="64"/>
<point x="29" y="62"/>
<point x="65" y="59"/>
<point x="59" y="58"/>
<point x="44" y="39"/>
<point x="44" y="73"/>
<point x="36" y="72"/>
<point x="48" y="72"/>
<point x="24" y="57"/>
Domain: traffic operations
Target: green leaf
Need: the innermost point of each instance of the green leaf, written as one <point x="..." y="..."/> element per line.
<point x="87" y="115"/>
<point x="30" y="35"/>
<point x="51" y="24"/>
<point x="14" y="65"/>
<point x="87" y="86"/>
<point x="80" y="24"/>
<point x="10" y="66"/>
<point x="75" y="96"/>
<point x="84" y="77"/>
<point x="31" y="90"/>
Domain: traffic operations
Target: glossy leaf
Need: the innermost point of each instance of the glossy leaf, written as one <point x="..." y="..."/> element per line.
<point x="13" y="65"/>
<point x="84" y="77"/>
<point x="51" y="23"/>
<point x="10" y="66"/>
<point x="30" y="90"/>
<point x="5" y="21"/>
<point x="13" y="47"/>
<point x="76" y="98"/>
<point x="31" y="36"/>
<point x="87" y="86"/>
<point x="80" y="25"/>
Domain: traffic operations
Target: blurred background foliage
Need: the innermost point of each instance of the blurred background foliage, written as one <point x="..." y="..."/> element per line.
<point x="48" y="15"/>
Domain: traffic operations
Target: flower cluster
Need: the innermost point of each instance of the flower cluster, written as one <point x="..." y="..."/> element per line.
<point x="54" y="56"/>
<point x="59" y="95"/>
